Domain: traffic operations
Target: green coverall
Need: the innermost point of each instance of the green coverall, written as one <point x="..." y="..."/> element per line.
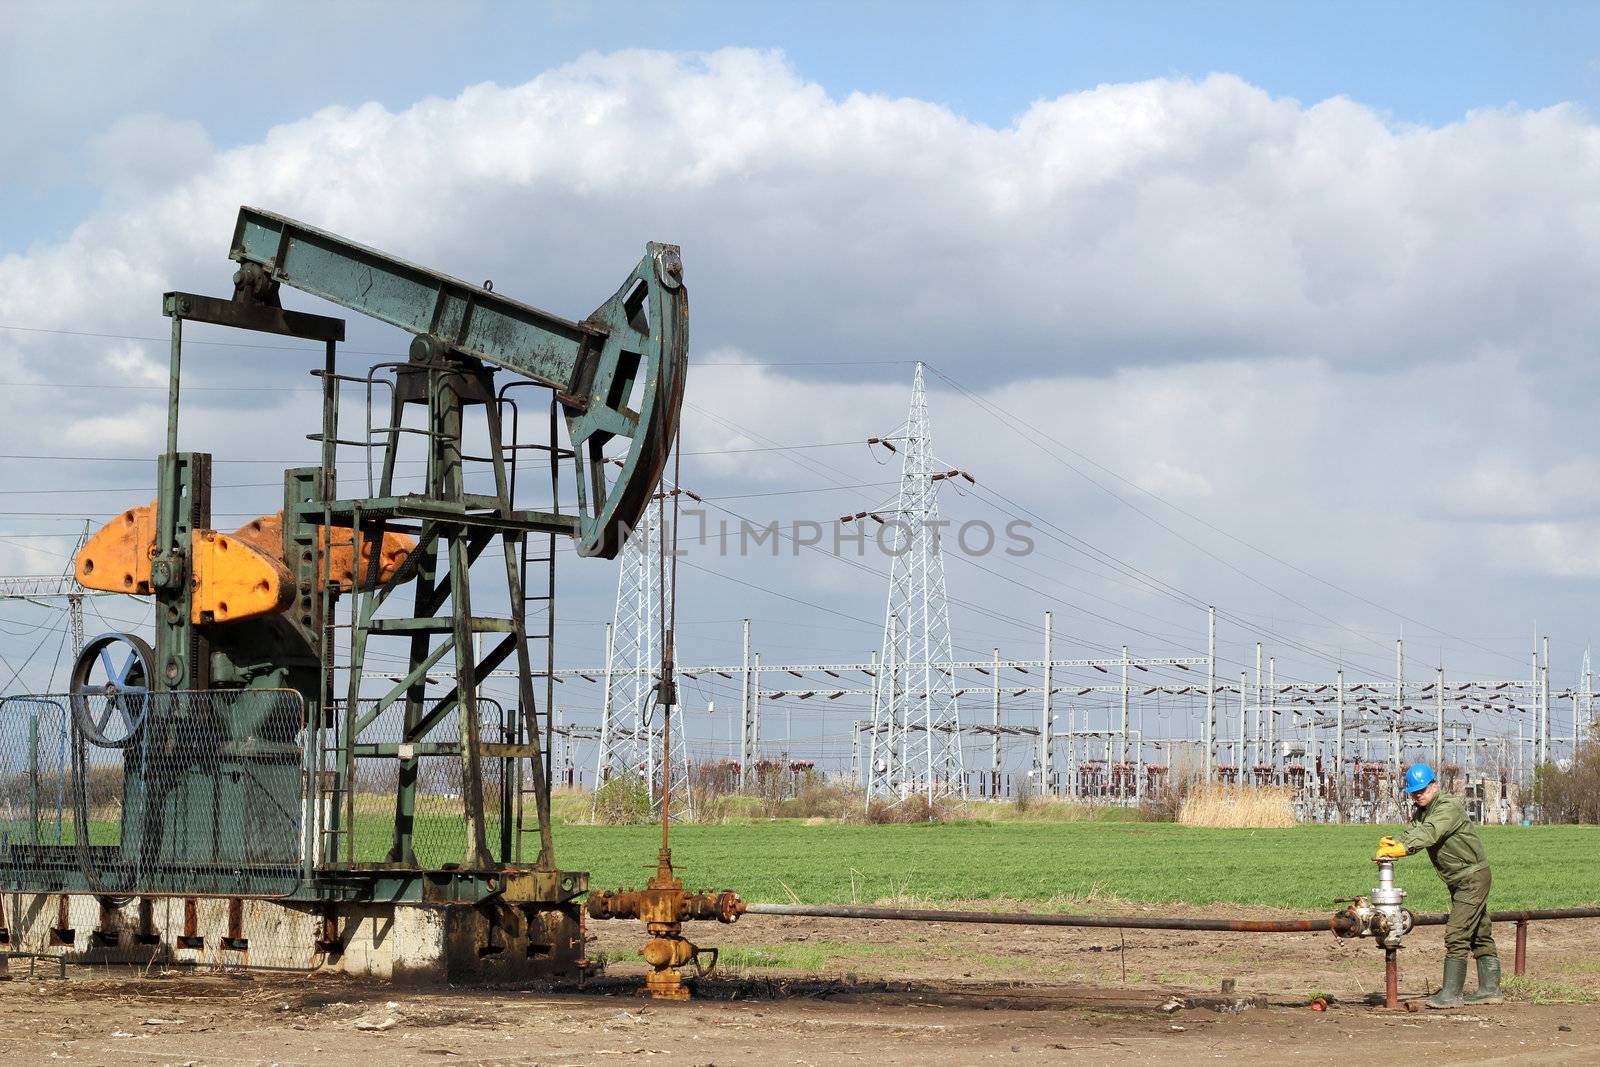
<point x="1452" y="842"/>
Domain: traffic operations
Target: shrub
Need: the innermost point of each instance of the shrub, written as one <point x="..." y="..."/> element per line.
<point x="1023" y="802"/>
<point x="1570" y="794"/>
<point x="915" y="808"/>
<point x="711" y="789"/>
<point x="820" y="798"/>
<point x="623" y="801"/>
<point x="1165" y="806"/>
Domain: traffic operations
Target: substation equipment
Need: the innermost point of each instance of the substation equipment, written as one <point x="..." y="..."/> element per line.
<point x="233" y="794"/>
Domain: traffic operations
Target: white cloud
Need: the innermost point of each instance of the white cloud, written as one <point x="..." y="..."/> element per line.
<point x="1160" y="220"/>
<point x="128" y="363"/>
<point x="147" y="153"/>
<point x="136" y="430"/>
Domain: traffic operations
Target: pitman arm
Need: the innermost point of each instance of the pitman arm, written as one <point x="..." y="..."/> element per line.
<point x="642" y="332"/>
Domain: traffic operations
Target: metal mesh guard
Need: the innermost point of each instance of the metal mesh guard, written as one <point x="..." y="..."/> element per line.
<point x="190" y="792"/>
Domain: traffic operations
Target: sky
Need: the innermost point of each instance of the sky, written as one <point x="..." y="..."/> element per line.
<point x="1286" y="309"/>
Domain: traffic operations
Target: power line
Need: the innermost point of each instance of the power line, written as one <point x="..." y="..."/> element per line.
<point x="187" y="341"/>
<point x="391" y="355"/>
<point x="812" y="466"/>
<point x="824" y="471"/>
<point x="162" y="388"/>
<point x="1014" y="422"/>
<point x="151" y="459"/>
<point x="1155" y="584"/>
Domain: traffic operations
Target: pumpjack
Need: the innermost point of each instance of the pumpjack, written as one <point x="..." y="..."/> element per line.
<point x="261" y="763"/>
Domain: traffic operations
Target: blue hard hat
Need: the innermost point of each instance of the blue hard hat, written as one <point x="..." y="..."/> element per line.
<point x="1418" y="777"/>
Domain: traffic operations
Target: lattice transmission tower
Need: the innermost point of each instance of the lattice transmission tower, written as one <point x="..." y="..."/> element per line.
<point x="630" y="722"/>
<point x="916" y="721"/>
<point x="1583" y="707"/>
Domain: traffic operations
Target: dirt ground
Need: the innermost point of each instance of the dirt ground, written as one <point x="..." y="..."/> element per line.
<point x="889" y="993"/>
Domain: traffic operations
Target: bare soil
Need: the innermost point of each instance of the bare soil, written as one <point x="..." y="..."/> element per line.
<point x="884" y="992"/>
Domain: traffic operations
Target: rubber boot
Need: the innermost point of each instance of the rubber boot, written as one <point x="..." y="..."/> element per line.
<point x="1488" y="982"/>
<point x="1449" y="996"/>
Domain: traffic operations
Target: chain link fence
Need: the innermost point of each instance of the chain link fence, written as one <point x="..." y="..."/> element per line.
<point x="227" y="792"/>
<point x="200" y="792"/>
<point x="434" y="776"/>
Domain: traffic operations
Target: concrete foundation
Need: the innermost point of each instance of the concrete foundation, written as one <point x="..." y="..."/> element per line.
<point x="488" y="942"/>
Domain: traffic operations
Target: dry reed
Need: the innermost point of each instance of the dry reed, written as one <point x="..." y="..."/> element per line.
<point x="1236" y="807"/>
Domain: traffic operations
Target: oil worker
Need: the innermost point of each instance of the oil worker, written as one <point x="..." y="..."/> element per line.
<point x="1439" y="826"/>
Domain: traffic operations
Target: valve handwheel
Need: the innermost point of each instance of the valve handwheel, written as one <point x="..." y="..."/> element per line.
<point x="111" y="689"/>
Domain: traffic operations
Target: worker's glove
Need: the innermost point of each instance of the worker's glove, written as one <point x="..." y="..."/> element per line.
<point x="1389" y="849"/>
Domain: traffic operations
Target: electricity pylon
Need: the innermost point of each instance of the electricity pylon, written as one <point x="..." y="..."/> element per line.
<point x="916" y="722"/>
<point x="630" y="724"/>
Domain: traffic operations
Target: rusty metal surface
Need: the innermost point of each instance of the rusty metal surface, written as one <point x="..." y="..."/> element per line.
<point x="262" y="318"/>
<point x="1438" y="918"/>
<point x="337" y="547"/>
<point x="499" y="941"/>
<point x="525" y="885"/>
<point x="664" y="906"/>
<point x="1544" y="914"/>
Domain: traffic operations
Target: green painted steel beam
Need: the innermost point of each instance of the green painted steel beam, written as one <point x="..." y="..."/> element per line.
<point x="345" y="513"/>
<point x="478" y="624"/>
<point x="618" y="374"/>
<point x="471" y="319"/>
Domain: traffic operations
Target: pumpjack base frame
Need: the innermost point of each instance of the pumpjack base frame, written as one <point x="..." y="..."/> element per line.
<point x="380" y="920"/>
<point x="491" y="941"/>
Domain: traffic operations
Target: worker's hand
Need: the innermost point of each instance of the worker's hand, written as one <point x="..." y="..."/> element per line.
<point x="1389" y="849"/>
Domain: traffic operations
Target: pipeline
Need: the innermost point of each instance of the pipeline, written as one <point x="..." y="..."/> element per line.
<point x="1543" y="913"/>
<point x="1014" y="918"/>
<point x="1439" y="918"/>
<point x="1171" y="922"/>
<point x="1130" y="922"/>
<point x="1520" y="919"/>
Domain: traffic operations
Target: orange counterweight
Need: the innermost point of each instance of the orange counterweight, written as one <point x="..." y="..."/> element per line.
<point x="233" y="580"/>
<point x="117" y="558"/>
<point x="234" y="576"/>
<point x="266" y="534"/>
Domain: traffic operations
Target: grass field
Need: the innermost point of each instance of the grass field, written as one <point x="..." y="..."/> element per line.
<point x="1047" y="864"/>
<point x="1303" y="867"/>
